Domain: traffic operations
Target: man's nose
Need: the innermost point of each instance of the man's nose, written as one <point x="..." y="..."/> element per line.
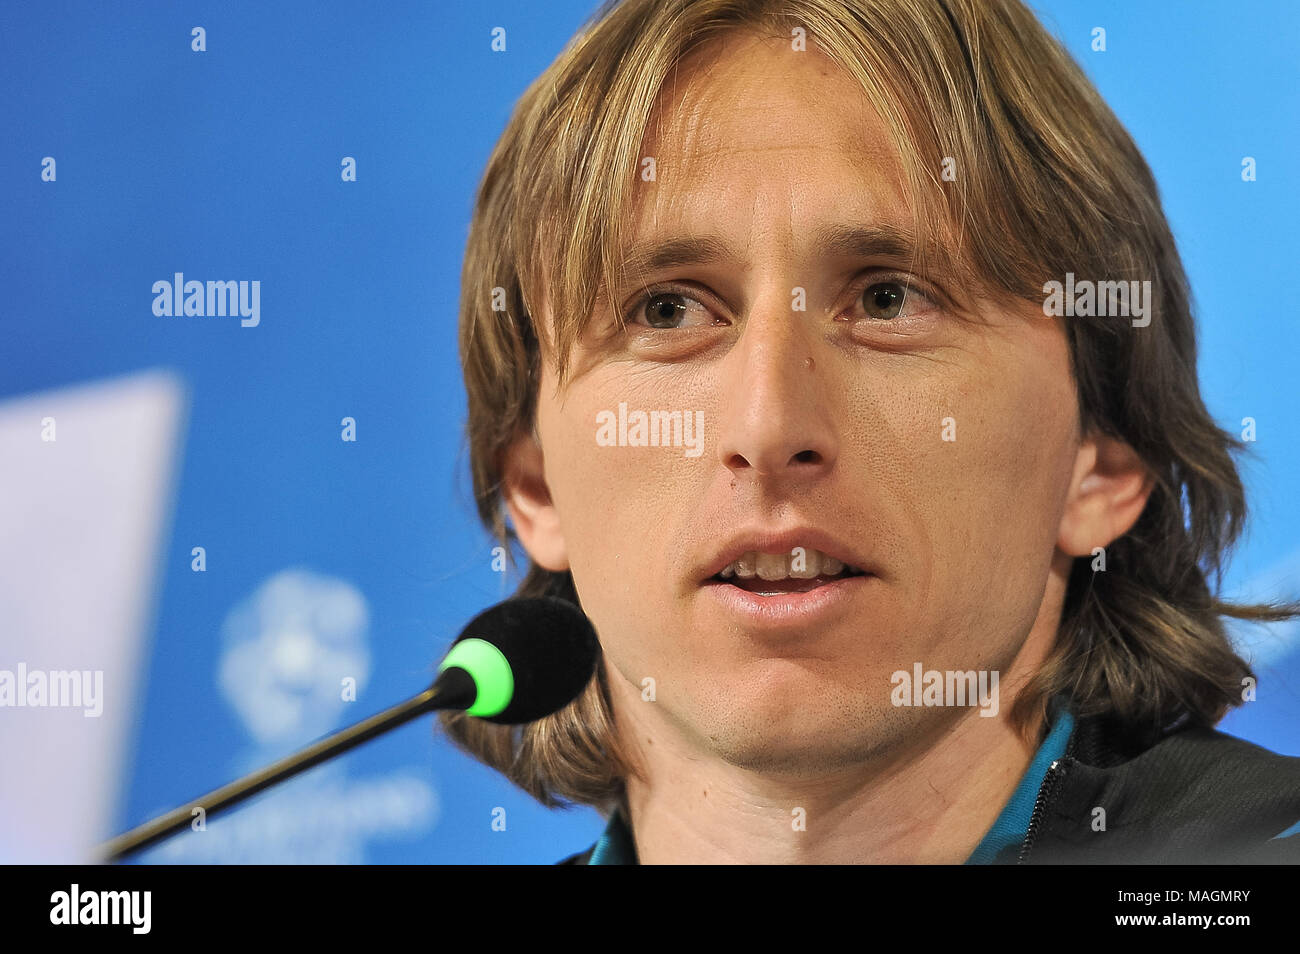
<point x="774" y="421"/>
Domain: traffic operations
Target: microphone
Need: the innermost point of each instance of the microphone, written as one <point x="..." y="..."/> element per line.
<point x="534" y="658"/>
<point x="516" y="662"/>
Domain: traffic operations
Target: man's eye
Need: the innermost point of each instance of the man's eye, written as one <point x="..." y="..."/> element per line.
<point x="885" y="300"/>
<point x="669" y="310"/>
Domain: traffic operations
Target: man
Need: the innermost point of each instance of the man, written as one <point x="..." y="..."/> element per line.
<point x="887" y="559"/>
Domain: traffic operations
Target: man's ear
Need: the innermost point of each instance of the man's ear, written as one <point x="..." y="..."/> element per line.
<point x="528" y="501"/>
<point x="1108" y="492"/>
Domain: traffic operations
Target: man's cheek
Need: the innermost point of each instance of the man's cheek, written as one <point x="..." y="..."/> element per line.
<point x="1000" y="518"/>
<point x="613" y="512"/>
<point x="976" y="511"/>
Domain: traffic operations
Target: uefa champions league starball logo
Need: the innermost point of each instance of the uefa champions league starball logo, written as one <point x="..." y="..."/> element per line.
<point x="288" y="652"/>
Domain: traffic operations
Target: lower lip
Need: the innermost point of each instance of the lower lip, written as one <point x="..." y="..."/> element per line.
<point x="788" y="609"/>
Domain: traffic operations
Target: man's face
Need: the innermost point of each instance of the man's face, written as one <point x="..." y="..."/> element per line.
<point x="932" y="451"/>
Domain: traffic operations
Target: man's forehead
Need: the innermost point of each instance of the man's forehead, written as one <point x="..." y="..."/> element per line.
<point x="763" y="195"/>
<point x="758" y="140"/>
<point x="743" y="94"/>
<point x="813" y="203"/>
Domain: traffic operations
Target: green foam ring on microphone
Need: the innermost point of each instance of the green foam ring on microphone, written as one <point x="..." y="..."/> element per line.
<point x="490" y="671"/>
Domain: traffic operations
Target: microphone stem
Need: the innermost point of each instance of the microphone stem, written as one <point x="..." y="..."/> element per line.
<point x="159" y="828"/>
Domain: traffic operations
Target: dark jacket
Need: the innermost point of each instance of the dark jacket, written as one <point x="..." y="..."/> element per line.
<point x="1195" y="796"/>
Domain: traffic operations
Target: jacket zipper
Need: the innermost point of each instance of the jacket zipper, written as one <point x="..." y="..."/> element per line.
<point x="1055" y="772"/>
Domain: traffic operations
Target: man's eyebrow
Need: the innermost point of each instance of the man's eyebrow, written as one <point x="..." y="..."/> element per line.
<point x="865" y="241"/>
<point x="653" y="256"/>
<point x="837" y="241"/>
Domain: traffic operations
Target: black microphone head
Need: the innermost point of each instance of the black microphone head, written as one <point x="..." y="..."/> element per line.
<point x="551" y="648"/>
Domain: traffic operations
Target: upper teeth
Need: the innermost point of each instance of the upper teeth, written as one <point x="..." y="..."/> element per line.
<point x="802" y="563"/>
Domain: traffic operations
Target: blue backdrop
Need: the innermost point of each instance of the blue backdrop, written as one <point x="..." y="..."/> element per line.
<point x="225" y="164"/>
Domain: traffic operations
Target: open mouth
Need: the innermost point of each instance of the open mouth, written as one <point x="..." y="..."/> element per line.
<point x="778" y="587"/>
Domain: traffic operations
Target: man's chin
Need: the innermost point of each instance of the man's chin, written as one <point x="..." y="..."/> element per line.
<point x="797" y="736"/>
<point x="798" y="756"/>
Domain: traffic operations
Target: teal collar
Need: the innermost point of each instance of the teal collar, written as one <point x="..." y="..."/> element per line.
<point x="1012" y="825"/>
<point x="616" y="846"/>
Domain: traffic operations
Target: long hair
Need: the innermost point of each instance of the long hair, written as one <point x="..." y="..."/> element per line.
<point x="1047" y="182"/>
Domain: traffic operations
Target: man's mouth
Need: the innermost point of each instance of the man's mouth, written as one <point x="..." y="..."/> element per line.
<point x="774" y="574"/>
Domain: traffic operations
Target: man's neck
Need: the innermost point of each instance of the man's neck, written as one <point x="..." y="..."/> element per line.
<point x="932" y="808"/>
